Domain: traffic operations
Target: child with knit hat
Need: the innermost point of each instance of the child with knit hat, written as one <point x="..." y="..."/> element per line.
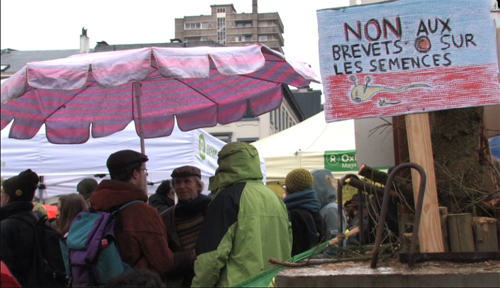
<point x="308" y="226"/>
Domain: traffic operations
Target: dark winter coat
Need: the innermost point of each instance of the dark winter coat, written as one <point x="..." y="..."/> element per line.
<point x="140" y="233"/>
<point x="160" y="202"/>
<point x="17" y="249"/>
<point x="183" y="271"/>
<point x="308" y="226"/>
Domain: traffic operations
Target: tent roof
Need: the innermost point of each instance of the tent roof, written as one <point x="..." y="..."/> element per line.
<point x="304" y="146"/>
<point x="311" y="135"/>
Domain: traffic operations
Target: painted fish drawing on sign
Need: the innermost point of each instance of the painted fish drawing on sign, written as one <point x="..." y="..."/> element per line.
<point x="361" y="93"/>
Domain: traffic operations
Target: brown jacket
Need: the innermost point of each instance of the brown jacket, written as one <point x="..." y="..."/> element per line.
<point x="142" y="238"/>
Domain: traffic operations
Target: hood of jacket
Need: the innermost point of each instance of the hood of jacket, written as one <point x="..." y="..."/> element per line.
<point x="238" y="162"/>
<point x="326" y="193"/>
<point x="112" y="193"/>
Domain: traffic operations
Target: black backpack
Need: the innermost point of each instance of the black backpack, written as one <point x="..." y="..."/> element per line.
<point x="47" y="259"/>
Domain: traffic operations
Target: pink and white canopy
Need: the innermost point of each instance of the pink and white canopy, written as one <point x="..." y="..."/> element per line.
<point x="201" y="86"/>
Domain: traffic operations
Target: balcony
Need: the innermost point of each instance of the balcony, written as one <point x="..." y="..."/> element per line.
<point x="242" y="17"/>
<point x="236" y="30"/>
<point x="269" y="30"/>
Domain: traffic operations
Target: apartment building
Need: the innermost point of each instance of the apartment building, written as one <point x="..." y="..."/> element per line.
<point x="227" y="27"/>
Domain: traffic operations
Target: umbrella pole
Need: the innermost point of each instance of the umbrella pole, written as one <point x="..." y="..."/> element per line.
<point x="138" y="94"/>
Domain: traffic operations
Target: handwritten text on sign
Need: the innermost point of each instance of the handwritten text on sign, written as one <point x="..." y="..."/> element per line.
<point x="407" y="56"/>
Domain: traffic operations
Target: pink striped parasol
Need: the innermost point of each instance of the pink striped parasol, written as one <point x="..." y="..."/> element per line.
<point x="103" y="92"/>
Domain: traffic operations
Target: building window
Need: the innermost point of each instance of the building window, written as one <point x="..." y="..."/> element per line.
<point x="279" y="119"/>
<point x="244" y="24"/>
<point x="223" y="136"/>
<point x="196" y="25"/>
<point x="221" y="10"/>
<point x="276" y="118"/>
<point x="221" y="31"/>
<point x="204" y="38"/>
<point x="283" y="119"/>
<point x="263" y="38"/>
<point x="243" y="38"/>
<point x="247" y="140"/>
<point x="249" y="114"/>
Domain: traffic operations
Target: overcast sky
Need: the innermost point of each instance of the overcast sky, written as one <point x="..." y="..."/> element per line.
<point x="57" y="24"/>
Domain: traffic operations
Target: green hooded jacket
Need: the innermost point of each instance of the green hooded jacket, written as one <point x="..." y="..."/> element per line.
<point x="245" y="224"/>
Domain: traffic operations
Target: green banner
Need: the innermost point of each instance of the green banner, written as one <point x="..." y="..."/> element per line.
<point x="341" y="161"/>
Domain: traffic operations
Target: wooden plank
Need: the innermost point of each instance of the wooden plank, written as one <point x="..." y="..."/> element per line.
<point x="460" y="233"/>
<point x="497" y="212"/>
<point x="443" y="212"/>
<point x="420" y="148"/>
<point x="485" y="234"/>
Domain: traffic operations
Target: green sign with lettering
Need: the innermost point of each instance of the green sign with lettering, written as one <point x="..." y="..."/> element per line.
<point x="341" y="161"/>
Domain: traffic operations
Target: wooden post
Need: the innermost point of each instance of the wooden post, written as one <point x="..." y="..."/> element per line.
<point x="420" y="147"/>
<point x="497" y="212"/>
<point x="485" y="232"/>
<point x="443" y="212"/>
<point x="405" y="222"/>
<point x="460" y="233"/>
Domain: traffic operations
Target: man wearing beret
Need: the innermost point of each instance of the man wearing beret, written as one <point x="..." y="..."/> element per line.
<point x="140" y="233"/>
<point x="17" y="234"/>
<point x="183" y="223"/>
<point x="301" y="201"/>
<point x="245" y="224"/>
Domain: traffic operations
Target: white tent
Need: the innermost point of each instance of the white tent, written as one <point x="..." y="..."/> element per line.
<point x="63" y="166"/>
<point x="311" y="144"/>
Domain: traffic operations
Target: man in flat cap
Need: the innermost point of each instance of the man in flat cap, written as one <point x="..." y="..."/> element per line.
<point x="183" y="223"/>
<point x="245" y="224"/>
<point x="19" y="222"/>
<point x="139" y="231"/>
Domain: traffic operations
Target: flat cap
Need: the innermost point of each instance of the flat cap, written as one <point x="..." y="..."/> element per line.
<point x="121" y="159"/>
<point x="186" y="171"/>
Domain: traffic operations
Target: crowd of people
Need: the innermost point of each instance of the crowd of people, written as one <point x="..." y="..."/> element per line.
<point x="218" y="239"/>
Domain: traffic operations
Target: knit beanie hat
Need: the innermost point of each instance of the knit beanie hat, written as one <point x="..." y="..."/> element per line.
<point x="21" y="187"/>
<point x="299" y="180"/>
<point x="86" y="187"/>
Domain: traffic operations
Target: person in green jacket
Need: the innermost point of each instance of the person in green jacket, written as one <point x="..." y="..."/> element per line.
<point x="245" y="224"/>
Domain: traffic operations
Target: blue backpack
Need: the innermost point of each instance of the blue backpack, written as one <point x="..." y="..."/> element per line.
<point x="90" y="254"/>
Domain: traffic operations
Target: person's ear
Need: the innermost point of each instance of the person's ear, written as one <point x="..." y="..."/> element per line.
<point x="135" y="174"/>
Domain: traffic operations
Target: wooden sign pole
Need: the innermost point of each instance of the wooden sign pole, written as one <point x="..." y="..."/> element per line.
<point x="430" y="236"/>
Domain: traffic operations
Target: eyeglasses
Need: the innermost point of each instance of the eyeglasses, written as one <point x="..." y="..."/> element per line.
<point x="145" y="171"/>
